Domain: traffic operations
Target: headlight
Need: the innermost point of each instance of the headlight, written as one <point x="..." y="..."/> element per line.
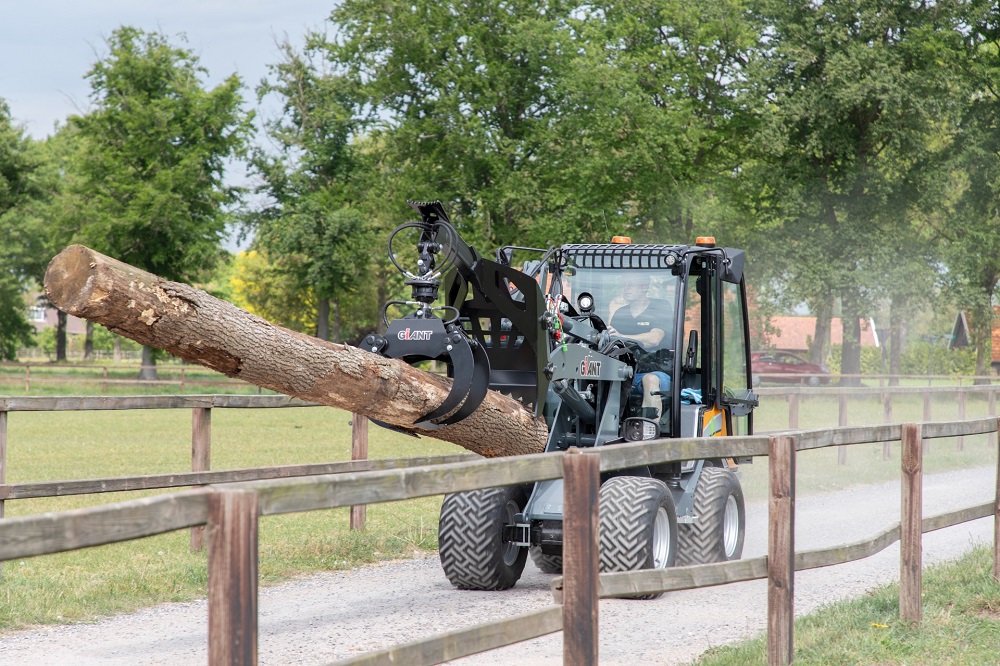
<point x="638" y="429"/>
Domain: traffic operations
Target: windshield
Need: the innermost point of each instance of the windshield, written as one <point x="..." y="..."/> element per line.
<point x="626" y="299"/>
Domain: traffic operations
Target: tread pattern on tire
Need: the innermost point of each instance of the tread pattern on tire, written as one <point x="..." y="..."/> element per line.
<point x="469" y="540"/>
<point x="628" y="504"/>
<point x="701" y="542"/>
<point x="549" y="564"/>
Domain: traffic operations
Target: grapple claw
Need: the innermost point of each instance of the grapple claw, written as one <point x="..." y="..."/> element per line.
<point x="463" y="374"/>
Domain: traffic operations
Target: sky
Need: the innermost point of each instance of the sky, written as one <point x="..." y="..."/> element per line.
<point x="47" y="46"/>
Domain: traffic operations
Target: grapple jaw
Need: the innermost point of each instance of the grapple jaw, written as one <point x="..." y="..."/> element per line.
<point x="417" y="337"/>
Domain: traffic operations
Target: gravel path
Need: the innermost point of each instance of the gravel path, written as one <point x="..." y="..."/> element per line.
<point x="330" y="616"/>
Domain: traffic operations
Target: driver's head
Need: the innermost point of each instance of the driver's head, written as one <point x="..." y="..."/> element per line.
<point x="635" y="286"/>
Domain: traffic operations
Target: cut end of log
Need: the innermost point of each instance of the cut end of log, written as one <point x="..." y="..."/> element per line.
<point x="69" y="279"/>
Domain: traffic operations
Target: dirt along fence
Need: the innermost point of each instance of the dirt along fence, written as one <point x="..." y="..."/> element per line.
<point x="231" y="509"/>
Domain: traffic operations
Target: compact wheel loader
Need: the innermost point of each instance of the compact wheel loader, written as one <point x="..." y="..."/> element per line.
<point x="609" y="343"/>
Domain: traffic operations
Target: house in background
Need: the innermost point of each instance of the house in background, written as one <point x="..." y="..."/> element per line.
<point x="42" y="316"/>
<point x="793" y="334"/>
<point x="961" y="335"/>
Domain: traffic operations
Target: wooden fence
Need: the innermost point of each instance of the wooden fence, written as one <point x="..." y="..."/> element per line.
<point x="201" y="442"/>
<point x="232" y="512"/>
<point x="105" y="376"/>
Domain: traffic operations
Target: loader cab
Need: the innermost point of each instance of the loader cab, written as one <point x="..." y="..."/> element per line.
<point x="683" y="311"/>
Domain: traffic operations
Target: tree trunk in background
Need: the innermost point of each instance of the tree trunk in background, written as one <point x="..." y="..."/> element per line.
<point x="117" y="346"/>
<point x="88" y="345"/>
<point x="896" y="325"/>
<point x="323" y="319"/>
<point x="335" y="329"/>
<point x="821" y="336"/>
<point x="202" y="329"/>
<point x="982" y="331"/>
<point x="148" y="369"/>
<point x="60" y="336"/>
<point x="850" y="351"/>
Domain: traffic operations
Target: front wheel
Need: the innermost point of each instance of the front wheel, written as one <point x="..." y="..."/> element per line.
<point x="475" y="554"/>
<point x="549" y="564"/>
<point x="720" y="527"/>
<point x="638" y="525"/>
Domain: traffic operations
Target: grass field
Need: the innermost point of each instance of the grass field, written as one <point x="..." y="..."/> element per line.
<point x="961" y="625"/>
<point x="74" y="445"/>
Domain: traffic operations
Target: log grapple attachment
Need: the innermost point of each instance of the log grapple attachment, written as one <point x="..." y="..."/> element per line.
<point x="487" y="333"/>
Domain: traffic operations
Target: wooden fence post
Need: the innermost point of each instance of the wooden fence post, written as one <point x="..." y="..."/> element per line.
<point x="911" y="516"/>
<point x="201" y="459"/>
<point x="960" y="442"/>
<point x="781" y="552"/>
<point x="996" y="516"/>
<point x="581" y="482"/>
<point x="232" y="578"/>
<point x="3" y="464"/>
<point x="991" y="408"/>
<point x="793" y="411"/>
<point x="886" y="418"/>
<point x="27" y="379"/>
<point x="359" y="451"/>
<point x="927" y="418"/>
<point x="842" y="421"/>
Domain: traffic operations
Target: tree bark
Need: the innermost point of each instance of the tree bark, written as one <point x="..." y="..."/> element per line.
<point x="88" y="344"/>
<point x="896" y="325"/>
<point x="850" y="351"/>
<point x="202" y="329"/>
<point x="147" y="369"/>
<point x="323" y="319"/>
<point x="61" y="320"/>
<point x="821" y="333"/>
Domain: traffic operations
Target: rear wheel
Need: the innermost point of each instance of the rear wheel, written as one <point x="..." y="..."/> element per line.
<point x="720" y="527"/>
<point x="550" y="564"/>
<point x="474" y="553"/>
<point x="638" y="525"/>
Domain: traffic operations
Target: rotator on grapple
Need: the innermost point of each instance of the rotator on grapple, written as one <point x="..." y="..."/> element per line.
<point x="595" y="355"/>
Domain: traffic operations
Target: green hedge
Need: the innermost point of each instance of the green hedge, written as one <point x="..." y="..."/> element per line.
<point x="919" y="358"/>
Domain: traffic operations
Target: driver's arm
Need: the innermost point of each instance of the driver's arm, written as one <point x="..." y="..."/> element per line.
<point x="650" y="338"/>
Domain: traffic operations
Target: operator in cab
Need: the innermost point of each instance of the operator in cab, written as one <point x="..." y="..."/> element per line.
<point x="646" y="321"/>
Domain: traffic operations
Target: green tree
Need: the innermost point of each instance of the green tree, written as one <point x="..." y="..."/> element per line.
<point x="969" y="228"/>
<point x="655" y="111"/>
<point x="467" y="95"/>
<point x="851" y="93"/>
<point x="151" y="173"/>
<point x="20" y="242"/>
<point x="310" y="228"/>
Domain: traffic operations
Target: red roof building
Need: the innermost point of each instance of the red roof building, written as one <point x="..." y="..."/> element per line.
<point x="793" y="334"/>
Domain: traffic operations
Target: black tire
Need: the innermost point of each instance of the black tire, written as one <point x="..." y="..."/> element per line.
<point x="549" y="564"/>
<point x="638" y="525"/>
<point x="718" y="534"/>
<point x="470" y="538"/>
<point x="814" y="381"/>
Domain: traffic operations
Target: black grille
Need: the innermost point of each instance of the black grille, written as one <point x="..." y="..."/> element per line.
<point x="622" y="256"/>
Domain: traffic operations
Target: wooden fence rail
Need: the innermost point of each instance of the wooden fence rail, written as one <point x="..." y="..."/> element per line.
<point x="233" y="510"/>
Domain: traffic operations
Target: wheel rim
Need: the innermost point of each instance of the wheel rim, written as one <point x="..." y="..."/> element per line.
<point x="661" y="539"/>
<point x="510" y="548"/>
<point x="731" y="526"/>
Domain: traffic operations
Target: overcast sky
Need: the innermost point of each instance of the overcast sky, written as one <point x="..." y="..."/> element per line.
<point x="46" y="46"/>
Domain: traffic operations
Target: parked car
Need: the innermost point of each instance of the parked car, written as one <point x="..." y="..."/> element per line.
<point x="775" y="366"/>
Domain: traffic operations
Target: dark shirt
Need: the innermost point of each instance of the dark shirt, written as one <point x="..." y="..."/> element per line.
<point x="656" y="315"/>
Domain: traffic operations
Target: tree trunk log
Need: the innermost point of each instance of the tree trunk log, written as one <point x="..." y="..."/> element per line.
<point x="202" y="329"/>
